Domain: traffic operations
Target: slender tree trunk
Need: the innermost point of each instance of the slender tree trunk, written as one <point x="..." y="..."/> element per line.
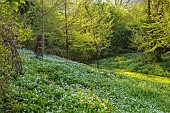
<point x="97" y="56"/>
<point x="149" y="8"/>
<point x="66" y="30"/>
<point x="42" y="27"/>
<point x="120" y="2"/>
<point x="158" y="53"/>
<point x="158" y="56"/>
<point x="115" y="2"/>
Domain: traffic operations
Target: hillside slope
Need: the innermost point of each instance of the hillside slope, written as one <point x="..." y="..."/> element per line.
<point x="57" y="85"/>
<point x="137" y="62"/>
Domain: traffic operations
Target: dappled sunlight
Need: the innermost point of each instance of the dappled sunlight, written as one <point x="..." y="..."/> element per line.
<point x="144" y="76"/>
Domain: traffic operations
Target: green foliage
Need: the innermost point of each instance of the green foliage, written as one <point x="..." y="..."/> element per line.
<point x="136" y="62"/>
<point x="13" y="3"/>
<point x="88" y="29"/>
<point x="80" y="36"/>
<point x="152" y="35"/>
<point x="155" y="37"/>
<point x="4" y="66"/>
<point x="60" y="85"/>
<point x="39" y="89"/>
<point x="7" y="101"/>
<point x="54" y="84"/>
<point x="12" y="33"/>
<point x="121" y="34"/>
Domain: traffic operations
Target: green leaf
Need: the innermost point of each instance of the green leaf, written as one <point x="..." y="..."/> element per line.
<point x="14" y="5"/>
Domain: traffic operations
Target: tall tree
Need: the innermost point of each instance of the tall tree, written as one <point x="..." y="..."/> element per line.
<point x="149" y="8"/>
<point x="68" y="19"/>
<point x="42" y="27"/>
<point x="66" y="28"/>
<point x="99" y="25"/>
<point x="12" y="33"/>
<point x="153" y="36"/>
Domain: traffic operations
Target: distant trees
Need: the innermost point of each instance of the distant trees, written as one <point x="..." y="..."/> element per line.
<point x="84" y="29"/>
<point x="88" y="28"/>
<point x="68" y="18"/>
<point x="120" y="36"/>
<point x="99" y="25"/>
<point x="121" y="2"/>
<point x="74" y="29"/>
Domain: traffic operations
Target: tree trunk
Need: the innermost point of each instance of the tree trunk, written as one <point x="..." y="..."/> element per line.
<point x="42" y="27"/>
<point x="149" y="8"/>
<point x="97" y="56"/>
<point x="156" y="56"/>
<point x="66" y="30"/>
<point x="39" y="46"/>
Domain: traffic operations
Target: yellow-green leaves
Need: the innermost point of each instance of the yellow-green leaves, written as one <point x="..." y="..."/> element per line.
<point x="12" y="33"/>
<point x="14" y="4"/>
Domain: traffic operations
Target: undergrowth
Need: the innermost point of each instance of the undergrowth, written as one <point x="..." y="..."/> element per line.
<point x="57" y="85"/>
<point x="136" y="62"/>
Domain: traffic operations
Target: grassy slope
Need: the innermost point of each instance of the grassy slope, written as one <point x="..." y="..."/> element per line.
<point x="136" y="62"/>
<point x="58" y="85"/>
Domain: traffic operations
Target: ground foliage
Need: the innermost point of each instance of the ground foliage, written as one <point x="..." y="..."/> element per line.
<point x="54" y="84"/>
<point x="137" y="62"/>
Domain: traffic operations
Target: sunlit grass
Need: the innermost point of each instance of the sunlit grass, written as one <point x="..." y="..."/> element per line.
<point x="136" y="62"/>
<point x="143" y="76"/>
